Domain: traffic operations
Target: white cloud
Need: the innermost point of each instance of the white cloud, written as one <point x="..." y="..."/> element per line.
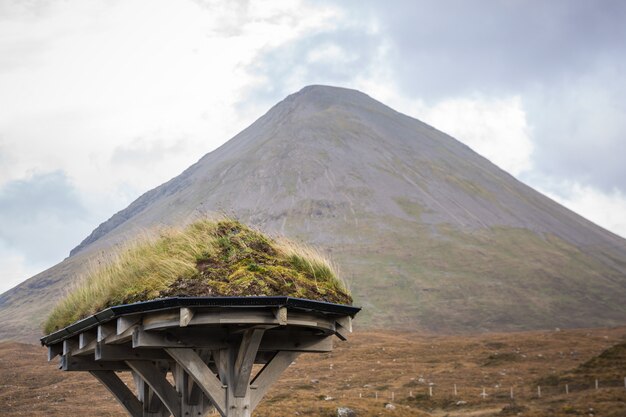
<point x="606" y="209"/>
<point x="92" y="89"/>
<point x="14" y="268"/>
<point x="494" y="127"/>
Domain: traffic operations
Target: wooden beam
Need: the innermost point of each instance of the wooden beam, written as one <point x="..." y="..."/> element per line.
<point x="106" y="352"/>
<point x="54" y="351"/>
<point x="269" y="374"/>
<point x="245" y="360"/>
<point x="120" y="391"/>
<point x="124" y="337"/>
<point x="126" y="322"/>
<point x="159" y="384"/>
<point x="69" y="345"/>
<point x="296" y="341"/>
<point x="343" y="326"/>
<point x="86" y="338"/>
<point x="105" y="330"/>
<point x="191" y="362"/>
<point x="209" y="339"/>
<point x="281" y="315"/>
<point x="73" y="363"/>
<point x="186" y="314"/>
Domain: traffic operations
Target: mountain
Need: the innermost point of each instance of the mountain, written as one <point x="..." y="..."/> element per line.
<point x="428" y="234"/>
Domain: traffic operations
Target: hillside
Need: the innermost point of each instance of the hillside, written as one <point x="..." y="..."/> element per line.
<point x="428" y="234"/>
<point x="365" y="371"/>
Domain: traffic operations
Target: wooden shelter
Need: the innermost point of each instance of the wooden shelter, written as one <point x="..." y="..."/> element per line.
<point x="209" y="346"/>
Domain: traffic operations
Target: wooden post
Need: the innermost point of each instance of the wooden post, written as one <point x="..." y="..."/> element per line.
<point x="566" y="389"/>
<point x="538" y="391"/>
<point x="597" y="384"/>
<point x="430" y="390"/>
<point x="511" y="392"/>
<point x="455" y="391"/>
<point x="484" y="394"/>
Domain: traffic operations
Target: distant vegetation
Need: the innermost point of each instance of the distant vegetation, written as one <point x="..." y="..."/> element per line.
<point x="207" y="258"/>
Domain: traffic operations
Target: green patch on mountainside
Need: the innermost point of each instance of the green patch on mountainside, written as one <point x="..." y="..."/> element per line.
<point x="447" y="279"/>
<point x="207" y="258"/>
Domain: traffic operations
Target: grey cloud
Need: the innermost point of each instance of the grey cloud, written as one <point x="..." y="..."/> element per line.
<point x="278" y="65"/>
<point x="456" y="47"/>
<point x="580" y="130"/>
<point x="42" y="217"/>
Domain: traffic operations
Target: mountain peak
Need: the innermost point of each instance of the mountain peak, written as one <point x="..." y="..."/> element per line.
<point x="325" y="96"/>
<point x="428" y="233"/>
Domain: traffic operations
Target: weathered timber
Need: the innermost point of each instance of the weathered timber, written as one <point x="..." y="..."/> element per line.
<point x="126" y="322"/>
<point x="191" y="362"/>
<point x="209" y="347"/>
<point x="159" y="384"/>
<point x="186" y="314"/>
<point x="86" y="339"/>
<point x="211" y="339"/>
<point x="104" y="352"/>
<point x="54" y="351"/>
<point x="120" y="391"/>
<point x="73" y="363"/>
<point x="245" y="360"/>
<point x="270" y="374"/>
<point x="105" y="330"/>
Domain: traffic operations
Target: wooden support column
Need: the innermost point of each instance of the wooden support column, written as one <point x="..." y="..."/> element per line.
<point x="190" y="406"/>
<point x="120" y="391"/>
<point x="159" y="384"/>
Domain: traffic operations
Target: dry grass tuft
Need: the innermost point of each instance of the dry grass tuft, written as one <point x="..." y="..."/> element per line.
<point x="206" y="258"/>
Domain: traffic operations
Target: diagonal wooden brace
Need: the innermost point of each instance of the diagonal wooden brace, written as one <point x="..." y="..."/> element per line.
<point x="245" y="360"/>
<point x="120" y="391"/>
<point x="270" y="374"/>
<point x="191" y="362"/>
<point x="159" y="384"/>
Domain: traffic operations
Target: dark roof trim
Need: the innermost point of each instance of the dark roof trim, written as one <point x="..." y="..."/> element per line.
<point x="197" y="302"/>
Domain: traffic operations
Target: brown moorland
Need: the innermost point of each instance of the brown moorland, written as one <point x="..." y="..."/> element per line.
<point x="384" y="364"/>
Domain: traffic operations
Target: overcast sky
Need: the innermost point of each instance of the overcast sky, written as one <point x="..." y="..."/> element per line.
<point x="102" y="100"/>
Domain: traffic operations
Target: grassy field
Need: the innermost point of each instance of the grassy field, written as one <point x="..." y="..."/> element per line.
<point x="365" y="372"/>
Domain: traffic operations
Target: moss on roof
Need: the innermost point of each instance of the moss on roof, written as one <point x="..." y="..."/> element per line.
<point x="206" y="258"/>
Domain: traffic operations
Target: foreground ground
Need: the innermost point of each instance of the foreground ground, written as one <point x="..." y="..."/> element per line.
<point x="377" y="368"/>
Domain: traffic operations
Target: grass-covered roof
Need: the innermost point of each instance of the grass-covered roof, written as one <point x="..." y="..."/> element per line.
<point x="206" y="258"/>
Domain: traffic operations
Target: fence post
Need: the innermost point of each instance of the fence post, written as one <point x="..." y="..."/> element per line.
<point x="455" y="392"/>
<point x="484" y="394"/>
<point x="410" y="393"/>
<point x="597" y="385"/>
<point x="430" y="390"/>
<point x="393" y="396"/>
<point x="538" y="391"/>
<point x="567" y="389"/>
<point x="376" y="394"/>
<point x="511" y="392"/>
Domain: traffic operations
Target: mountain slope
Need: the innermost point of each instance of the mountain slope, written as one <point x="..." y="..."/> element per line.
<point x="428" y="233"/>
